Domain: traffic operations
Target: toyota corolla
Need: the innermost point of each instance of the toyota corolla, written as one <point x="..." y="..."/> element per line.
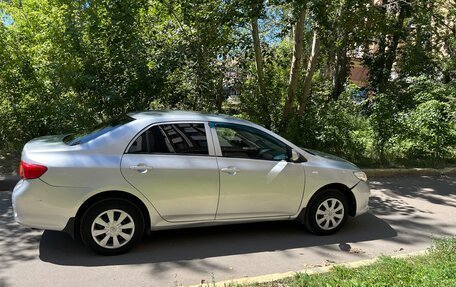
<point x="168" y="169"/>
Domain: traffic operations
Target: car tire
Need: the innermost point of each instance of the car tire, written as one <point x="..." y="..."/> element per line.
<point x="327" y="212"/>
<point x="112" y="226"/>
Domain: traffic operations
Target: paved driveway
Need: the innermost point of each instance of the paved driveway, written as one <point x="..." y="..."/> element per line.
<point x="405" y="213"/>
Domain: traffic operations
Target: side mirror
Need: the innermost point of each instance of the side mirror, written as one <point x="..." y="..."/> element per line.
<point x="295" y="156"/>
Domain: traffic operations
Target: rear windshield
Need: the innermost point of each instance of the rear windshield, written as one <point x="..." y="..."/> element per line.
<point x="96" y="131"/>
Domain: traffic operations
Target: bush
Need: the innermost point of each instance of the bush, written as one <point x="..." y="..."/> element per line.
<point x="36" y="116"/>
<point x="428" y="132"/>
<point x="334" y="126"/>
<point x="414" y="122"/>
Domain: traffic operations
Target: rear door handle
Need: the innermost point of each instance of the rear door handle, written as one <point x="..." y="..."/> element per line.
<point x="231" y="170"/>
<point x="141" y="167"/>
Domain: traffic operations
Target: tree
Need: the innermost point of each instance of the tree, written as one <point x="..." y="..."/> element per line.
<point x="311" y="67"/>
<point x="296" y="62"/>
<point x="285" y="64"/>
<point x="256" y="9"/>
<point x="390" y="34"/>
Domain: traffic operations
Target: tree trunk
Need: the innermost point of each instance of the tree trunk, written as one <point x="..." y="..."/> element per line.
<point x="340" y="72"/>
<point x="329" y="69"/>
<point x="295" y="63"/>
<point x="311" y="65"/>
<point x="387" y="52"/>
<point x="376" y="70"/>
<point x="391" y="55"/>
<point x="219" y="96"/>
<point x="259" y="66"/>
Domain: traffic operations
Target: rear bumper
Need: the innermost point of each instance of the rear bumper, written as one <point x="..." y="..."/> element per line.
<point x="361" y="191"/>
<point x="39" y="205"/>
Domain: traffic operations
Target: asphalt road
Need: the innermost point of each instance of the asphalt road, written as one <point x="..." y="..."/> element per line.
<point x="406" y="212"/>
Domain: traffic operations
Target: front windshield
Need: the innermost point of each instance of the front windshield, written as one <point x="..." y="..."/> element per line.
<point x="98" y="130"/>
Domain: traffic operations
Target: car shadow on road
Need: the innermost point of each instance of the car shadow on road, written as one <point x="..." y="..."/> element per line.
<point x="207" y="242"/>
<point x="17" y="243"/>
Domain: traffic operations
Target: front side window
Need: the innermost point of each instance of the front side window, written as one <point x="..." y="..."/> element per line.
<point x="180" y="138"/>
<point x="244" y="142"/>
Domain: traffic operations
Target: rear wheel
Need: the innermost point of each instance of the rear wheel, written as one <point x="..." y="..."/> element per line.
<point x="327" y="213"/>
<point x="112" y="226"/>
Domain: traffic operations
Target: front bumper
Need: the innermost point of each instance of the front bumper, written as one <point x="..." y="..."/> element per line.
<point x="39" y="205"/>
<point x="361" y="191"/>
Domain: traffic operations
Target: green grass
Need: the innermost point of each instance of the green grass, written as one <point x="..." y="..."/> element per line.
<point x="437" y="268"/>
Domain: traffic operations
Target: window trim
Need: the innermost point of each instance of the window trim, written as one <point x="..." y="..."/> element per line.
<point x="207" y="129"/>
<point x="218" y="148"/>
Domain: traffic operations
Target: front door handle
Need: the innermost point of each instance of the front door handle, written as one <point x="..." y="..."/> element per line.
<point x="142" y="168"/>
<point x="231" y="170"/>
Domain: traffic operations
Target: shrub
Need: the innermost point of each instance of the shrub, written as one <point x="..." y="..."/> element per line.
<point x="428" y="132"/>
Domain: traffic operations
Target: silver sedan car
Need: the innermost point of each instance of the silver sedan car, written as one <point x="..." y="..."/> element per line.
<point x="167" y="169"/>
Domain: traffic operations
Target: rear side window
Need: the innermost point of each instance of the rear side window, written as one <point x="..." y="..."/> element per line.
<point x="181" y="138"/>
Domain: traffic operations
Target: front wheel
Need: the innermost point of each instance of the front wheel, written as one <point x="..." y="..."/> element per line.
<point x="112" y="226"/>
<point x="327" y="213"/>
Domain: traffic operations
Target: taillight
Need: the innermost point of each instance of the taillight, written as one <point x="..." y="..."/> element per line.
<point x="31" y="170"/>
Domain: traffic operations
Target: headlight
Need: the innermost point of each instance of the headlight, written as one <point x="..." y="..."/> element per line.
<point x="360" y="175"/>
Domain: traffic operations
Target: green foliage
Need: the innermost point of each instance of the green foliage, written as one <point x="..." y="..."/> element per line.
<point x="67" y="64"/>
<point x="276" y="77"/>
<point x="415" y="119"/>
<point x="384" y="122"/>
<point x="429" y="133"/>
<point x="335" y="126"/>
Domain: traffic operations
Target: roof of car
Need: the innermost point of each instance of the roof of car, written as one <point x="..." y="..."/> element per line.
<point x="172" y="115"/>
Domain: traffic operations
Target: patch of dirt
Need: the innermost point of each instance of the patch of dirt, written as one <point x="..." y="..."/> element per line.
<point x="357" y="251"/>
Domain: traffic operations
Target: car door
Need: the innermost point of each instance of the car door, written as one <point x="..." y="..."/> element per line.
<point x="257" y="179"/>
<point x="173" y="165"/>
